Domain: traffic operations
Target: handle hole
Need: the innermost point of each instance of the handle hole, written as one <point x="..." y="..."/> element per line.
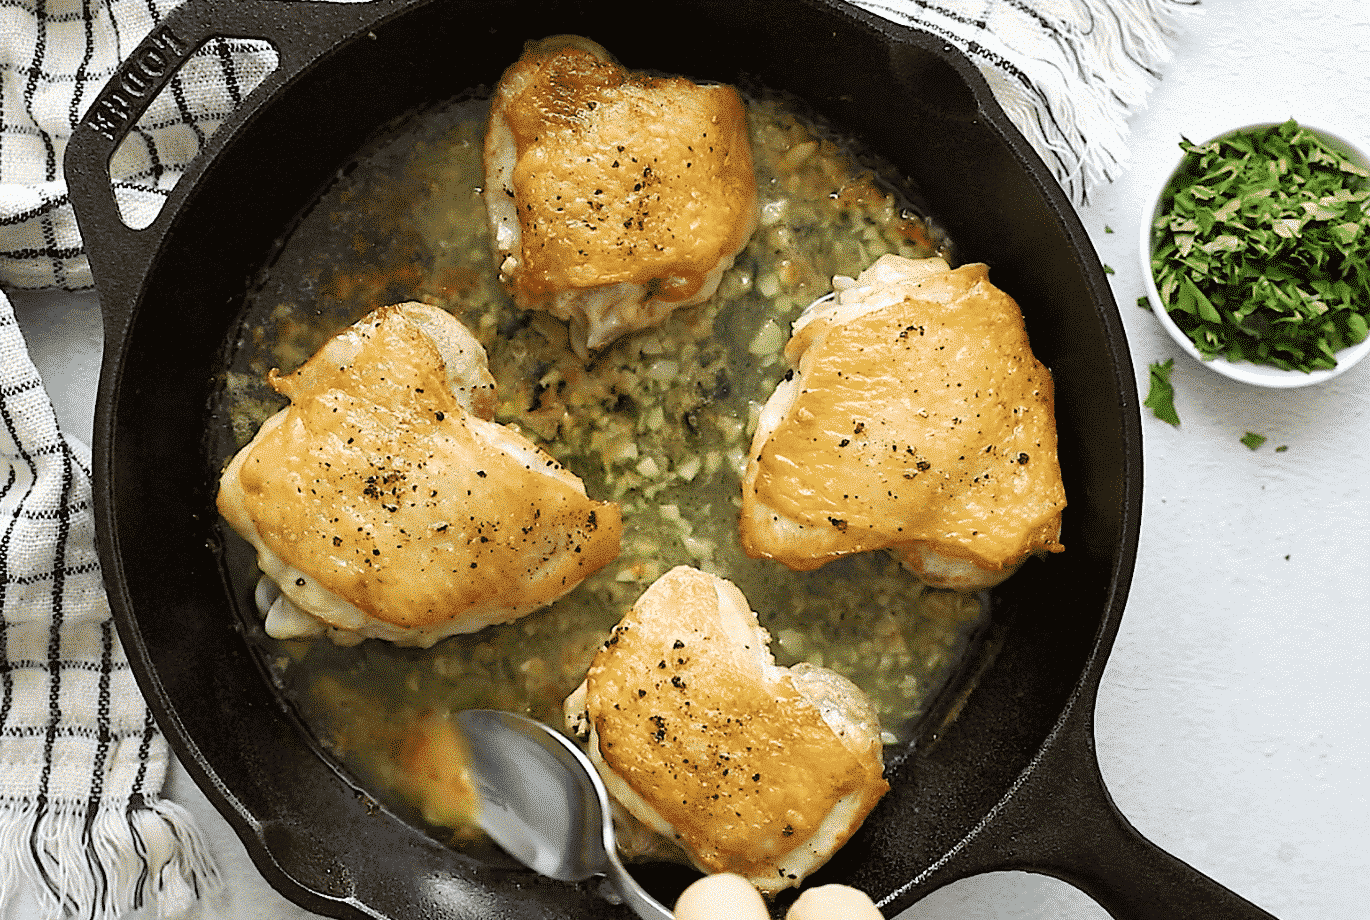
<point x="181" y="119"/>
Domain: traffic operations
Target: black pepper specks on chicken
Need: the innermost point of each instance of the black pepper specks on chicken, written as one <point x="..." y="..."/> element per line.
<point x="407" y="511"/>
<point x="729" y="753"/>
<point x="934" y="366"/>
<point x="618" y="196"/>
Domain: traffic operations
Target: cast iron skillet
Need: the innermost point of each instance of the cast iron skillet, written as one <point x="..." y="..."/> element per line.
<point x="1004" y="775"/>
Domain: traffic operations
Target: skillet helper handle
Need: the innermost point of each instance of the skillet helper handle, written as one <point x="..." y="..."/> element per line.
<point x="298" y="31"/>
<point x="1063" y="822"/>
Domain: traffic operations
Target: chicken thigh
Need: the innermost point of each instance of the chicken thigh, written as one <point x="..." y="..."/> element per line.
<point x="750" y="768"/>
<point x="914" y="418"/>
<point x="614" y="197"/>
<point x="384" y="503"/>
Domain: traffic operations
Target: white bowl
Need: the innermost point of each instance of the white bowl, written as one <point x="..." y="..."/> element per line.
<point x="1246" y="371"/>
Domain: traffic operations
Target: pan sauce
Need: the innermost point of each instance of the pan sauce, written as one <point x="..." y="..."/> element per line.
<point x="660" y="422"/>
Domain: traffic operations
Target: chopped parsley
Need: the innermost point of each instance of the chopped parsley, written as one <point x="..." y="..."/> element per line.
<point x="1160" y="398"/>
<point x="1261" y="249"/>
<point x="1253" y="440"/>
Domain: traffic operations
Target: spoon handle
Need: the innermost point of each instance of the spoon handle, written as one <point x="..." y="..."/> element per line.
<point x="634" y="895"/>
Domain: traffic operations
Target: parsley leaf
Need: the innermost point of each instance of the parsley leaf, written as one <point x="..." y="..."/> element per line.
<point x="1253" y="440"/>
<point x="1261" y="248"/>
<point x="1160" y="398"/>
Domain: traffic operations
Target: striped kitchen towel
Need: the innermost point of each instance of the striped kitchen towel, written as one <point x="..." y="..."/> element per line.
<point x="1068" y="73"/>
<point x="83" y="831"/>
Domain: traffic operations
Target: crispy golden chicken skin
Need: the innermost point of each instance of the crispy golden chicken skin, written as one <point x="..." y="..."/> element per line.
<point x="614" y="197"/>
<point x="751" y="768"/>
<point x="914" y="418"/>
<point x="384" y="503"/>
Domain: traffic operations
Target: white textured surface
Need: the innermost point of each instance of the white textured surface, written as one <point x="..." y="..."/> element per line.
<point x="1234" y="716"/>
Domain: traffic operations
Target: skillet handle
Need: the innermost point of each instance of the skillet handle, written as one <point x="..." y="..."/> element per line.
<point x="298" y="31"/>
<point x="1061" y="821"/>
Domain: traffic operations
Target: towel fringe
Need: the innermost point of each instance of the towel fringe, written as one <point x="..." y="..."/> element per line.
<point x="101" y="866"/>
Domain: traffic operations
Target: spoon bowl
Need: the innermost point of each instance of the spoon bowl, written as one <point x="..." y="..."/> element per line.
<point x="542" y="801"/>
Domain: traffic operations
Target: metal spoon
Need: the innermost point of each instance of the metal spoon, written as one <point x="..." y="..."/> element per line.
<point x="542" y="801"/>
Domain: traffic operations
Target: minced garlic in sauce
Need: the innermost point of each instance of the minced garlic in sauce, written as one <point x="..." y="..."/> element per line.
<point x="660" y="422"/>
